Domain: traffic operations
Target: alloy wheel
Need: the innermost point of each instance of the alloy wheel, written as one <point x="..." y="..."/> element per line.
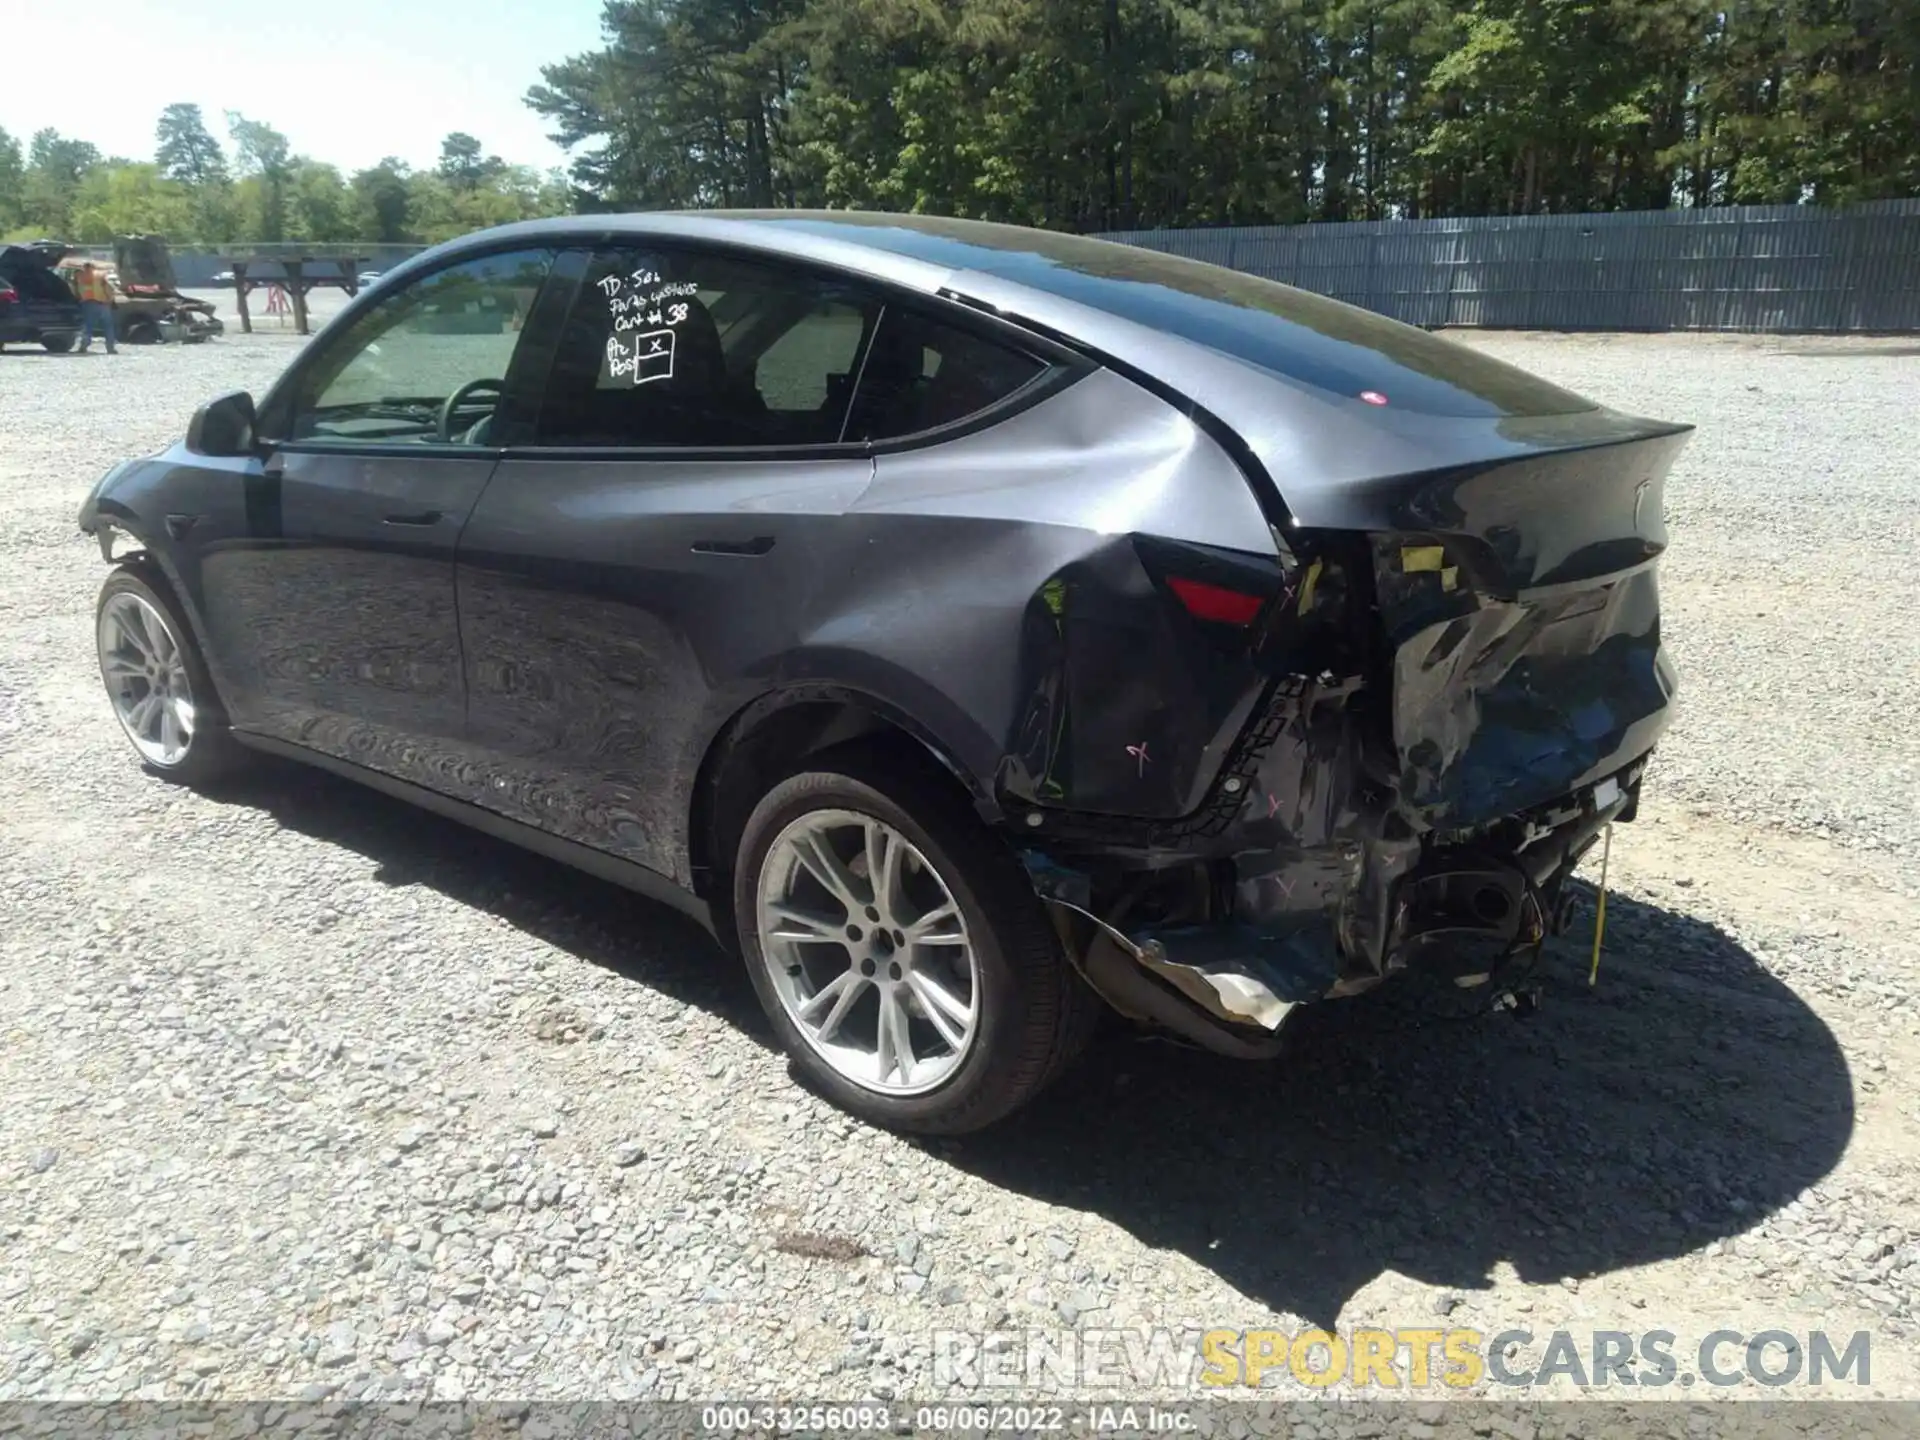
<point x="145" y="670"/>
<point x="868" y="952"/>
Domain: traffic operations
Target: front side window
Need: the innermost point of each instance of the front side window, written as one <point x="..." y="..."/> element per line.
<point x="427" y="364"/>
<point x="691" y="350"/>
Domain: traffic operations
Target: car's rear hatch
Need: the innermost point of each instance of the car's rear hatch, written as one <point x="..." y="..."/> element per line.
<point x="41" y="298"/>
<point x="1520" y="616"/>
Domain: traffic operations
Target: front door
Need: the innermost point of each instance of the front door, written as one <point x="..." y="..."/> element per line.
<point x="331" y="613"/>
<point x="648" y="551"/>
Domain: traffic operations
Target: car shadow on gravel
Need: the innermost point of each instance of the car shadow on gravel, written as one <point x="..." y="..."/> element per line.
<point x="1675" y="1104"/>
<point x="592" y="919"/>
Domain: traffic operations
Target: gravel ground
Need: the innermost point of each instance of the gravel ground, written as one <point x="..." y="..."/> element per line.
<point x="311" y="1095"/>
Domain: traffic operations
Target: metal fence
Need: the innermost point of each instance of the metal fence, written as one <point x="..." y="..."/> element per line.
<point x="1756" y="267"/>
<point x="194" y="266"/>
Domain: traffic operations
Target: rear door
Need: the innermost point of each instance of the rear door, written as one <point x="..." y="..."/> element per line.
<point x="629" y="573"/>
<point x="329" y="597"/>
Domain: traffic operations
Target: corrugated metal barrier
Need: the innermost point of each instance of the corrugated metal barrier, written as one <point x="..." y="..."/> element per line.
<point x="1785" y="268"/>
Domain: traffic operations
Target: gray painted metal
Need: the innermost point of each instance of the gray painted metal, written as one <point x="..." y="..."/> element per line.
<point x="1752" y="267"/>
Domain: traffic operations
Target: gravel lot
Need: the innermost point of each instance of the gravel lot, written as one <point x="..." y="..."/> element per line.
<point x="310" y="1095"/>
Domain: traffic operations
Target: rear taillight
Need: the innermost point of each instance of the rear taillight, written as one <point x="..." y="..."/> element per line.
<point x="1215" y="603"/>
<point x="7" y="293"/>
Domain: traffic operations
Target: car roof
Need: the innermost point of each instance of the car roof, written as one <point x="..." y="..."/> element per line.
<point x="1321" y="393"/>
<point x="1295" y="334"/>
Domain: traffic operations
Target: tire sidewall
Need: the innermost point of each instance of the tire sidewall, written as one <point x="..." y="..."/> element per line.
<point x="1001" y="993"/>
<point x="206" y="755"/>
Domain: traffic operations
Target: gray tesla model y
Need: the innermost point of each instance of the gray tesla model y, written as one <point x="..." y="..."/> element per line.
<point x="970" y="624"/>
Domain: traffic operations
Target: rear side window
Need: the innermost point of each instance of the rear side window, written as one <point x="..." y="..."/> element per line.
<point x="798" y="373"/>
<point x="923" y="373"/>
<point x="695" y="350"/>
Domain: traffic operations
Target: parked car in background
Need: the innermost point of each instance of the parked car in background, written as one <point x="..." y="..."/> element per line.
<point x="36" y="305"/>
<point x="149" y="308"/>
<point x="963" y="621"/>
<point x="367" y="277"/>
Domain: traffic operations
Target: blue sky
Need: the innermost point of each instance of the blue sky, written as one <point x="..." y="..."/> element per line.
<point x="348" y="81"/>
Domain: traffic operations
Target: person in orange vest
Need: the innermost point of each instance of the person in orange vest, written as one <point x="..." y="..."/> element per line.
<point x="96" y="307"/>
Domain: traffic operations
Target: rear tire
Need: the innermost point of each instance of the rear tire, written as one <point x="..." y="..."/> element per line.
<point x="157" y="683"/>
<point x="992" y="970"/>
<point x="57" y="344"/>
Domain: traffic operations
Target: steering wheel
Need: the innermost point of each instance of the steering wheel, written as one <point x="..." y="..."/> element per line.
<point x="459" y="397"/>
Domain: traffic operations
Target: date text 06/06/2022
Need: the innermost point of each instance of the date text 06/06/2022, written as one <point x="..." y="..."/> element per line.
<point x="1105" y="1419"/>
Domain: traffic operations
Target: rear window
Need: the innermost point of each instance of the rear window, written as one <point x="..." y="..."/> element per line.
<point x="1303" y="337"/>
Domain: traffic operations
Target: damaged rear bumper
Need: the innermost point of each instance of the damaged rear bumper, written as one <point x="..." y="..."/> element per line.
<point x="1231" y="1001"/>
<point x="1365" y="826"/>
<point x="1293" y="930"/>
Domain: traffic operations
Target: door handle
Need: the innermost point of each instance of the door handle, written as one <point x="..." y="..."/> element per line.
<point x="418" y="517"/>
<point x="758" y="545"/>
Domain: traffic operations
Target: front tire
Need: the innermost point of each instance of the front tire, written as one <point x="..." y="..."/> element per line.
<point x="899" y="950"/>
<point x="57" y="344"/>
<point x="157" y="683"/>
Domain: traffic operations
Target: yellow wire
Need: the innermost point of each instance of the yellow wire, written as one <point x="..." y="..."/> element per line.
<point x="1600" y="911"/>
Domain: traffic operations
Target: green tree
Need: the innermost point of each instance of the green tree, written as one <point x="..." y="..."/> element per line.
<point x="129" y="199"/>
<point x="188" y="155"/>
<point x="186" y="151"/>
<point x="63" y="159"/>
<point x="55" y="167"/>
<point x="380" y="202"/>
<point x="265" y="164"/>
<point x="1087" y="114"/>
<point x="13" y="181"/>
<point x="685" y="106"/>
<point x="65" y="188"/>
<point x="319" y="205"/>
<point x="463" y="164"/>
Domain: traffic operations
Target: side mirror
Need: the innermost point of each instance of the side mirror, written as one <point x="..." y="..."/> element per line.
<point x="223" y="426"/>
